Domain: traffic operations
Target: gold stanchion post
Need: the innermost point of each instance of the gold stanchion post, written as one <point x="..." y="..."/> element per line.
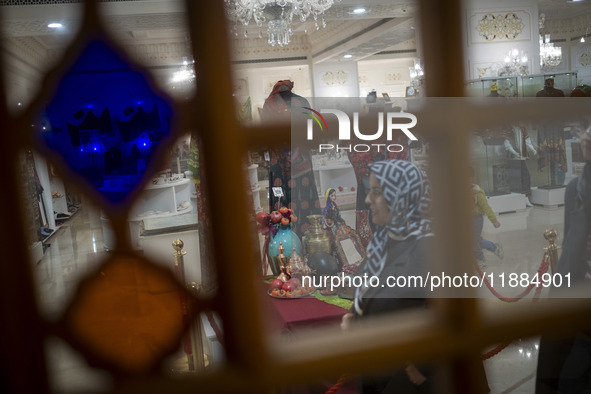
<point x="552" y="250"/>
<point x="193" y="344"/>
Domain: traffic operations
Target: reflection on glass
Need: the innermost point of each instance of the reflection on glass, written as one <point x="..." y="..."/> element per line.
<point x="106" y="121"/>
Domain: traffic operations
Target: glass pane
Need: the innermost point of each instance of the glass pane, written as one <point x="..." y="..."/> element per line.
<point x="106" y="121"/>
<point x="127" y="315"/>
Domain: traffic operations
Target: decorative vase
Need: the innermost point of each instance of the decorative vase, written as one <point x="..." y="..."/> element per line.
<point x="316" y="238"/>
<point x="289" y="240"/>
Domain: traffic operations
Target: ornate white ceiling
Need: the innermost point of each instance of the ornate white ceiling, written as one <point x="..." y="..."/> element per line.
<point x="388" y="26"/>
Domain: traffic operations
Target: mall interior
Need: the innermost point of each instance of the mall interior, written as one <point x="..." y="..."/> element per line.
<point x="166" y="203"/>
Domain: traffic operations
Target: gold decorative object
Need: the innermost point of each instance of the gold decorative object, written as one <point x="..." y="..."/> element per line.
<point x="297" y="267"/>
<point x="284" y="275"/>
<point x="552" y="250"/>
<point x="316" y="239"/>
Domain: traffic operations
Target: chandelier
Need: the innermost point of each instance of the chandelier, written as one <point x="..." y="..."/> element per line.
<point x="416" y="75"/>
<point x="278" y="14"/>
<point x="515" y="63"/>
<point x="184" y="76"/>
<point x="550" y="56"/>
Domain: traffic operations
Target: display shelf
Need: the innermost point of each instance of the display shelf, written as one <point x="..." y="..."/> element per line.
<point x="157" y="201"/>
<point x="493" y="87"/>
<point x="335" y="176"/>
<point x="253" y="177"/>
<point x="507" y="202"/>
<point x="160" y="200"/>
<point x="547" y="197"/>
<point x="532" y="84"/>
<point x="58" y="195"/>
<point x="343" y="198"/>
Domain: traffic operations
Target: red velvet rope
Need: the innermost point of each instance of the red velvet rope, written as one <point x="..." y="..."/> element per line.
<point x="338" y="384"/>
<point x="216" y="329"/>
<point x="542" y="269"/>
<point x="495" y="351"/>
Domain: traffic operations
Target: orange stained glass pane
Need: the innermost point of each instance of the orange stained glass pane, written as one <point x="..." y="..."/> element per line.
<point x="128" y="315"/>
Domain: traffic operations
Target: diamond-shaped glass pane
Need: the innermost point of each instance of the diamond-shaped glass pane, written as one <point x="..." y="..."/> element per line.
<point x="106" y="121"/>
<point x="128" y="315"/>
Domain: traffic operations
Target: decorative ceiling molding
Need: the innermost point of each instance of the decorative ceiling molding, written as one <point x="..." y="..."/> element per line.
<point x="249" y="49"/>
<point x="147" y="21"/>
<point x="336" y="31"/>
<point x="393" y="9"/>
<point x="158" y="54"/>
<point x="566" y="28"/>
<point x="28" y="50"/>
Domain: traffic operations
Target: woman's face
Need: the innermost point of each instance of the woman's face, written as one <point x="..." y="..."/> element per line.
<point x="333" y="196"/>
<point x="377" y="202"/>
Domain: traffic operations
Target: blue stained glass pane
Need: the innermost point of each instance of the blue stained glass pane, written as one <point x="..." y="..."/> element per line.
<point x="106" y="121"/>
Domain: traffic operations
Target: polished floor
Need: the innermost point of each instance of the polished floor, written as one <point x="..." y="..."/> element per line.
<point x="77" y="248"/>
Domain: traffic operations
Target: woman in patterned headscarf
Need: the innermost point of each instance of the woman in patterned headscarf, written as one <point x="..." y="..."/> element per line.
<point x="399" y="198"/>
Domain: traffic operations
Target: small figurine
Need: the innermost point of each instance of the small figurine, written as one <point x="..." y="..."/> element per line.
<point x="284" y="276"/>
<point x="331" y="215"/>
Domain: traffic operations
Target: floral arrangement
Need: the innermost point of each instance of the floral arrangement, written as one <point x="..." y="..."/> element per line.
<point x="270" y="222"/>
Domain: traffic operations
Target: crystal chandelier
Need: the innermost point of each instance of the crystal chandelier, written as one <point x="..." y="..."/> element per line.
<point x="515" y="63"/>
<point x="416" y="75"/>
<point x="184" y="76"/>
<point x="550" y="56"/>
<point x="278" y="13"/>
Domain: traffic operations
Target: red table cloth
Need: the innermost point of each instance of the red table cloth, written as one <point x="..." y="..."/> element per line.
<point x="308" y="312"/>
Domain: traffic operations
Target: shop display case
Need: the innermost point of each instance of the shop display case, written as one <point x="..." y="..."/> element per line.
<point x="492" y="168"/>
<point x="554" y="163"/>
<point x="500" y="176"/>
<point x="523" y="86"/>
<point x="166" y="198"/>
<point x="509" y="174"/>
<point x="565" y="81"/>
<point x="493" y="87"/>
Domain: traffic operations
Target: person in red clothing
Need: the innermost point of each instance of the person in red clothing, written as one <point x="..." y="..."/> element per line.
<point x="290" y="169"/>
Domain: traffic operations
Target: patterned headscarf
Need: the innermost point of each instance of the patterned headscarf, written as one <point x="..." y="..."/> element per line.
<point x="408" y="195"/>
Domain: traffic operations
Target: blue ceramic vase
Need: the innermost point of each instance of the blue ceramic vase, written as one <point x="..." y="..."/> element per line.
<point x="289" y="240"/>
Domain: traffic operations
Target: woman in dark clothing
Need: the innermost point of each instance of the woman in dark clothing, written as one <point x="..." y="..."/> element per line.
<point x="399" y="200"/>
<point x="564" y="366"/>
